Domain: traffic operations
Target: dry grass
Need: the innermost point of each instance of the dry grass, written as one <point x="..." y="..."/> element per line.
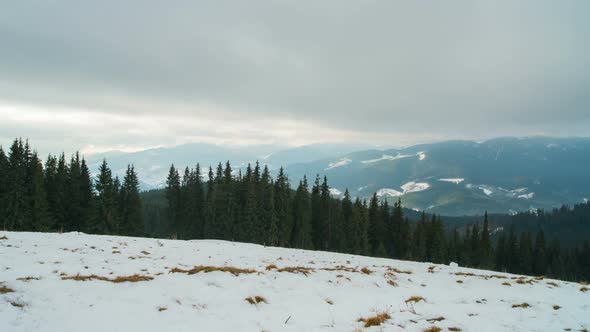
<point x="119" y="279"/>
<point x="415" y="299"/>
<point x="376" y="320"/>
<point x="583" y="283"/>
<point x="116" y="252"/>
<point x="433" y="329"/>
<point x="506" y="283"/>
<point x="584" y="289"/>
<point x="255" y="299"/>
<point x="454" y="328"/>
<point x="396" y="270"/>
<point x="435" y="319"/>
<point x="392" y="283"/>
<point x="17" y="304"/>
<point x="523" y="305"/>
<point x="145" y="252"/>
<point x="431" y="269"/>
<point x="271" y="267"/>
<point x="330" y="302"/>
<point x="4" y="289"/>
<point x="339" y="268"/>
<point x="551" y="283"/>
<point x="26" y="279"/>
<point x="459" y="281"/>
<point x="365" y="270"/>
<point x="297" y="269"/>
<point x="162" y="309"/>
<point x="206" y="269"/>
<point x="3" y="237"/>
<point x="466" y="274"/>
<point x="556" y="307"/>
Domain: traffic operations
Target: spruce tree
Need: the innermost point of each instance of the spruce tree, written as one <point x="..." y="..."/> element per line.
<point x="283" y="208"/>
<point x="4" y="186"/>
<point x="107" y="201"/>
<point x="302" y="231"/>
<point x="486" y="246"/>
<point x="131" y="214"/>
<point x="174" y="199"/>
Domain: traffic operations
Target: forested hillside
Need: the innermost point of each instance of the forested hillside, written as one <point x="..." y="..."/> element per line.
<point x="255" y="207"/>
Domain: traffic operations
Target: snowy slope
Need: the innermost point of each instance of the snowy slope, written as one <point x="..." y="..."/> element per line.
<point x="332" y="299"/>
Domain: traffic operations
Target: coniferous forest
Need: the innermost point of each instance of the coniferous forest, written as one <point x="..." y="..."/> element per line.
<point x="59" y="195"/>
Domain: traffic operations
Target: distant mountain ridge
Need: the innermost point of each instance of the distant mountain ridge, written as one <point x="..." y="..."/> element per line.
<point x="460" y="177"/>
<point x="502" y="175"/>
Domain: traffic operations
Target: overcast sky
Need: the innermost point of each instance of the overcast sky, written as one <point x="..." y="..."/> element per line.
<point x="101" y="75"/>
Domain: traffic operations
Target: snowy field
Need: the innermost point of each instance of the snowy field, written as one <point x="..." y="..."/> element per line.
<point x="78" y="282"/>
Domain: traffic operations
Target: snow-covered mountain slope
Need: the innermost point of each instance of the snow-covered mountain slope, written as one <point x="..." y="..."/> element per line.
<point x="78" y="282"/>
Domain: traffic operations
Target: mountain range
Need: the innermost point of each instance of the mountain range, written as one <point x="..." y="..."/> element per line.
<point x="502" y="175"/>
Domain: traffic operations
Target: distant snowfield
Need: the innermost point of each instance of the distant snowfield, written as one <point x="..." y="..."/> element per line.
<point x="453" y="180"/>
<point x="386" y="157"/>
<point x="409" y="187"/>
<point x="340" y="163"/>
<point x="323" y="292"/>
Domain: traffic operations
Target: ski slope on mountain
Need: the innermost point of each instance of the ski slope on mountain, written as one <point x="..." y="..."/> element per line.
<point x="79" y="282"/>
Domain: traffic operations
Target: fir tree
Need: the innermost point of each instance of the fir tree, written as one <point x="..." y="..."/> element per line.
<point x="131" y="214"/>
<point x="107" y="202"/>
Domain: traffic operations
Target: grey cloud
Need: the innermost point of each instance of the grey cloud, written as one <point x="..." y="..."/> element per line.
<point x="446" y="68"/>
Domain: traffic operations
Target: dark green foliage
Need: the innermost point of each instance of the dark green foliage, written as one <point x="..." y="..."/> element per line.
<point x="130" y="211"/>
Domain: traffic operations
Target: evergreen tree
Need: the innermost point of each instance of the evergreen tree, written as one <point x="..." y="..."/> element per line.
<point x="107" y="201"/>
<point x="174" y="198"/>
<point x="283" y="209"/>
<point x="302" y="228"/>
<point x="39" y="216"/>
<point x="131" y="216"/>
<point x="4" y="186"/>
<point x="485" y="246"/>
<point x="348" y="223"/>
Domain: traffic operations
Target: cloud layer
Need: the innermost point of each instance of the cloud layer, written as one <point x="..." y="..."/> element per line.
<point x="144" y="73"/>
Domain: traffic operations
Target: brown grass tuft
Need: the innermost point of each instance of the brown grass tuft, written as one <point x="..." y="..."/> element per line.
<point x="584" y="289"/>
<point x="206" y="269"/>
<point x="376" y="320"/>
<point x="119" y="279"/>
<point x="556" y="307"/>
<point x="17" y="304"/>
<point x="455" y="329"/>
<point x="392" y="283"/>
<point x="506" y="283"/>
<point x="330" y="302"/>
<point x="435" y="319"/>
<point x="396" y="270"/>
<point x="523" y="305"/>
<point x="255" y="299"/>
<point x="551" y="283"/>
<point x="162" y="309"/>
<point x="433" y="329"/>
<point x="459" y="281"/>
<point x="365" y="270"/>
<point x="4" y="289"/>
<point x="3" y="237"/>
<point x="271" y="267"/>
<point x="116" y="252"/>
<point x="431" y="269"/>
<point x="297" y="269"/>
<point x="415" y="299"/>
<point x="28" y="278"/>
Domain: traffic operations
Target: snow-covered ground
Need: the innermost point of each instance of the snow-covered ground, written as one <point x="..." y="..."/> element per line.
<point x="318" y="291"/>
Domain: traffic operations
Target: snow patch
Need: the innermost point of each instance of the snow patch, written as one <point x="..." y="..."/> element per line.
<point x="388" y="192"/>
<point x="386" y="157"/>
<point x="526" y="196"/>
<point x="412" y="187"/>
<point x="453" y="180"/>
<point x="421" y="155"/>
<point x="340" y="163"/>
<point x="335" y="192"/>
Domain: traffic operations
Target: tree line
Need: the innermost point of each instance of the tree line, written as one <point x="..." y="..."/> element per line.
<point x="62" y="196"/>
<point x="251" y="205"/>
